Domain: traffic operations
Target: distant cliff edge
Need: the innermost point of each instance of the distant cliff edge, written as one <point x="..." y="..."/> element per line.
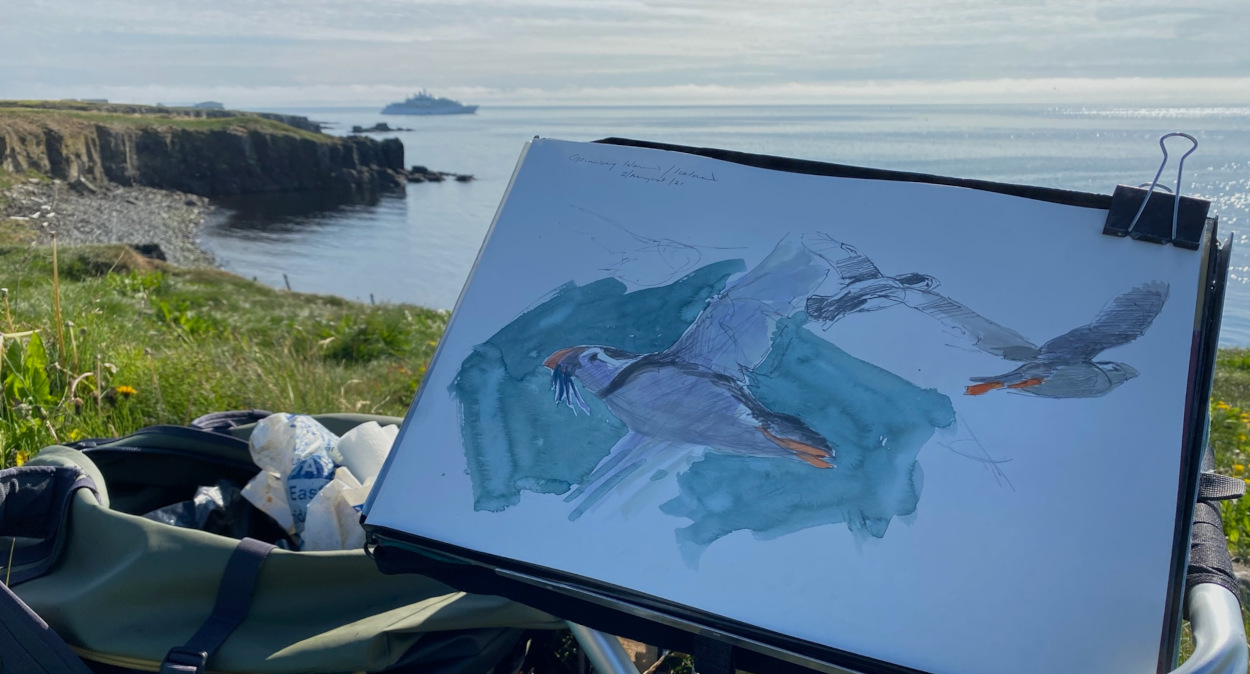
<point x="205" y="152"/>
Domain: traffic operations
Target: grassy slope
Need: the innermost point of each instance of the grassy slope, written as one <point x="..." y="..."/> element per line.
<point x="19" y="116"/>
<point x="188" y="342"/>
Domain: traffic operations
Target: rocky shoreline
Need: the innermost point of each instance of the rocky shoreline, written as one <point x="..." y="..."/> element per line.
<point x="143" y="176"/>
<point x="160" y="223"/>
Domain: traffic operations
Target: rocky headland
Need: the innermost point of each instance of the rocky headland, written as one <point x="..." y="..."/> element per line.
<point x="110" y="173"/>
<point x="202" y="155"/>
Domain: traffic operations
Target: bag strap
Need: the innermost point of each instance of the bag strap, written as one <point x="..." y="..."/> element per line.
<point x="28" y="644"/>
<point x="234" y="598"/>
<point x="1209" y="561"/>
<point x="1216" y="487"/>
<point x="222" y="422"/>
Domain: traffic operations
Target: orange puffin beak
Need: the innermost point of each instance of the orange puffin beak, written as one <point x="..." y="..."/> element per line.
<point x="555" y="358"/>
<point x="980" y="389"/>
<point x="983" y="388"/>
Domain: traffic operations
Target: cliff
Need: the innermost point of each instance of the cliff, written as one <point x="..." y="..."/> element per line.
<point x="206" y="154"/>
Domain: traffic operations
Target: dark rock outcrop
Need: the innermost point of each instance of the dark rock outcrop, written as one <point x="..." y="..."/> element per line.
<point x="208" y="162"/>
<point x="152" y="251"/>
<point x="421" y="174"/>
<point x="380" y="127"/>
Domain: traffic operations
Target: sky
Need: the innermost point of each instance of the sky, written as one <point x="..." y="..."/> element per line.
<point x="567" y="52"/>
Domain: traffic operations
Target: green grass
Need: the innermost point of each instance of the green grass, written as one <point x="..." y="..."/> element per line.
<point x="37" y="114"/>
<point x="142" y="343"/>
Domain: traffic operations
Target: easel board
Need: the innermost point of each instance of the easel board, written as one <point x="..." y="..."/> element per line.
<point x="818" y="412"/>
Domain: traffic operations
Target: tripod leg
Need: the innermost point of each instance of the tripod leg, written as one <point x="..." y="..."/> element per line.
<point x="604" y="650"/>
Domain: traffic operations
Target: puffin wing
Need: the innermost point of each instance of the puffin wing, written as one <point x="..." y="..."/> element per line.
<point x="849" y="263"/>
<point x="986" y="335"/>
<point x="1123" y="320"/>
<point x="733" y="333"/>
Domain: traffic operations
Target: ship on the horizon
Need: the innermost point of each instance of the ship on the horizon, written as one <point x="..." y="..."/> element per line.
<point x="425" y="103"/>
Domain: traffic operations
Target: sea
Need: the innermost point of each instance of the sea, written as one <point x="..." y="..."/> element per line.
<point x="419" y="246"/>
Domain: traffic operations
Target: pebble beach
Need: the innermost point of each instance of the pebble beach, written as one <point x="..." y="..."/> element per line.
<point x="137" y="216"/>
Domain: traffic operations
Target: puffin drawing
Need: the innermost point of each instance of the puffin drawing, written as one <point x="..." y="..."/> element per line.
<point x="1063" y="367"/>
<point x="693" y="396"/>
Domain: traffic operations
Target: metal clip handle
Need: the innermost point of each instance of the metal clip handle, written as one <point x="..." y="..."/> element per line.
<point x="1180" y="168"/>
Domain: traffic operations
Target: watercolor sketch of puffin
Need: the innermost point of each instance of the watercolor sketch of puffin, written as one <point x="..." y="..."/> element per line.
<point x="693" y="395"/>
<point x="724" y="379"/>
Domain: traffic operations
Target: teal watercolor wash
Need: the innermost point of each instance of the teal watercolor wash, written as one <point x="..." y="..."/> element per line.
<point x="877" y="420"/>
<point x="516" y="441"/>
<point x="513" y="436"/>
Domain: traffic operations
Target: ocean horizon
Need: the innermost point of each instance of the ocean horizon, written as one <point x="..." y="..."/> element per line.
<point x="418" y="247"/>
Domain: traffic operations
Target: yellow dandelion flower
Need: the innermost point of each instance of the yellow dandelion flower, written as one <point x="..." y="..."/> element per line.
<point x="21" y="458"/>
<point x="1221" y="405"/>
<point x="1242" y="437"/>
<point x="126" y="391"/>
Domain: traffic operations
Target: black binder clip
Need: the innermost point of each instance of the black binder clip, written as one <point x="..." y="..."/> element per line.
<point x="1147" y="215"/>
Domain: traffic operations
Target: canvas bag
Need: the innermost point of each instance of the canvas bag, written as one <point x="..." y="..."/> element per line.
<point x="123" y="590"/>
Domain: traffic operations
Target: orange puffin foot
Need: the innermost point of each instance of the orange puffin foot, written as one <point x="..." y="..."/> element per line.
<point x="814" y="455"/>
<point x="815" y="461"/>
<point x="1026" y="383"/>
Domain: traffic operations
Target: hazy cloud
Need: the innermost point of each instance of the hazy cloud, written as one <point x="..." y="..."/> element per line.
<point x="281" y="51"/>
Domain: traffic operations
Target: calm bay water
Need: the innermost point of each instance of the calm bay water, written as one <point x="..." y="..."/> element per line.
<point x="419" y="247"/>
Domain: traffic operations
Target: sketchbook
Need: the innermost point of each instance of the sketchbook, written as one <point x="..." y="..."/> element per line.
<point x="837" y="418"/>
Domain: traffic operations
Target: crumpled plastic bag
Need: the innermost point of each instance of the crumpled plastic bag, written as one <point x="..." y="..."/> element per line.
<point x="266" y="493"/>
<point x="216" y="509"/>
<point x="313" y="483"/>
<point x="364" y="448"/>
<point x="296" y="455"/>
<point x="333" y="521"/>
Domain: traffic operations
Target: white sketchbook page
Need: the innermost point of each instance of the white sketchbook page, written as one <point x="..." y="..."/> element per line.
<point x="1012" y="501"/>
<point x="386" y="465"/>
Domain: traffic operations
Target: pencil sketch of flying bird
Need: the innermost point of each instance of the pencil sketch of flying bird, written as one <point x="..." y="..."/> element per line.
<point x="1063" y="367"/>
<point x="692" y="396"/>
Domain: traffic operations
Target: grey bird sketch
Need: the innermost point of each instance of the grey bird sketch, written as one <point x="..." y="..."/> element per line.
<point x="693" y="396"/>
<point x="1063" y="367"/>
